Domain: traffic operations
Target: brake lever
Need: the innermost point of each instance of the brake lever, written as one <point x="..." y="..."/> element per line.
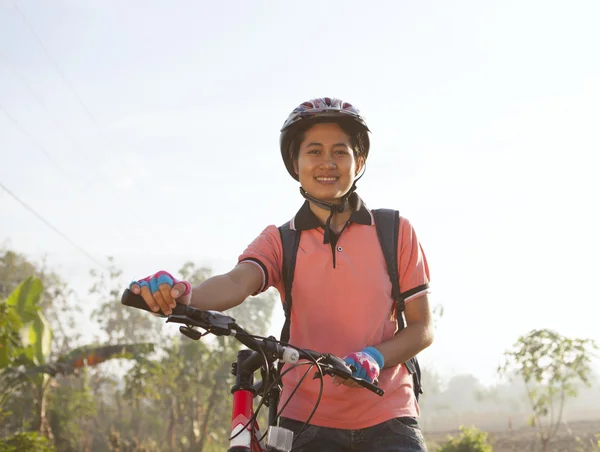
<point x="212" y="321"/>
<point x="370" y="386"/>
<point x="187" y="320"/>
<point x="348" y="376"/>
<point x="338" y="367"/>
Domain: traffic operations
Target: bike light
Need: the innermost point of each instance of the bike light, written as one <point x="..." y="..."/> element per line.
<point x="279" y="439"/>
<point x="290" y="355"/>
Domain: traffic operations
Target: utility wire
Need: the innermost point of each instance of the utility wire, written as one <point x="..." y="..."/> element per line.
<point x="75" y="94"/>
<point x="62" y="75"/>
<point x="77" y="150"/>
<point x="57" y="166"/>
<point x="59" y="70"/>
<point x="55" y="64"/>
<point x="32" y="138"/>
<point x="63" y="235"/>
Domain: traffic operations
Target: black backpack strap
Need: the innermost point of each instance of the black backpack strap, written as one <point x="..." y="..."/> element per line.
<point x="290" y="240"/>
<point x="387" y="223"/>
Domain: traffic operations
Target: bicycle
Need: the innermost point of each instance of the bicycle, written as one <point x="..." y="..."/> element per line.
<point x="262" y="354"/>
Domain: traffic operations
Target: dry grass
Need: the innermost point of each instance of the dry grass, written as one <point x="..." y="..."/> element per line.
<point x="575" y="437"/>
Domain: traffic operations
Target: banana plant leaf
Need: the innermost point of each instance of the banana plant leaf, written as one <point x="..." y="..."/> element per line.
<point x="35" y="333"/>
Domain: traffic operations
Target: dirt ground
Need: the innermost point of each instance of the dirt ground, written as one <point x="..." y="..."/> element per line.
<point x="576" y="437"/>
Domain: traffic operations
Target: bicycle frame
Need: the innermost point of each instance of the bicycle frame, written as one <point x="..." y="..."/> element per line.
<point x="245" y="435"/>
<point x="244" y="391"/>
<point x="247" y="441"/>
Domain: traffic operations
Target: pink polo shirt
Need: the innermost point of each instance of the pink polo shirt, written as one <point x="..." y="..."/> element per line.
<point x="341" y="304"/>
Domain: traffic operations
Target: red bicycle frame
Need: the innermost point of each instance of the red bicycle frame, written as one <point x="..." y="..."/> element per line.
<point x="242" y="412"/>
<point x="245" y="436"/>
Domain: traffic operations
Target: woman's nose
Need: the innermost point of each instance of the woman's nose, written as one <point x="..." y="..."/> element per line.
<point x="328" y="162"/>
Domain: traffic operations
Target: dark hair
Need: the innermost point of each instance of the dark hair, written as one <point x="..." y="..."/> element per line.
<point x="348" y="127"/>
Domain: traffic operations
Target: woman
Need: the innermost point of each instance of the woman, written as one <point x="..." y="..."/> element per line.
<point x="341" y="291"/>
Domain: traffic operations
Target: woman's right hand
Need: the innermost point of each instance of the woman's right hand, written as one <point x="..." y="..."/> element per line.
<point x="161" y="291"/>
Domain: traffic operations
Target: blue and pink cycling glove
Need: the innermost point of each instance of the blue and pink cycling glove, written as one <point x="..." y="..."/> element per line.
<point x="162" y="277"/>
<point x="367" y="363"/>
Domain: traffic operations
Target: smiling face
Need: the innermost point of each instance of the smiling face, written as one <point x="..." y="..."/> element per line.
<point x="326" y="163"/>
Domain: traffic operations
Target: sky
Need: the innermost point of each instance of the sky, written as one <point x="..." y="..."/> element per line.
<point x="148" y="131"/>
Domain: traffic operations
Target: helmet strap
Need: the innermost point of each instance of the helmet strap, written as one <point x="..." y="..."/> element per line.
<point x="333" y="208"/>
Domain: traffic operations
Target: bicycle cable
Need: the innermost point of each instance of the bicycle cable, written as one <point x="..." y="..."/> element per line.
<point x="254" y="416"/>
<point x="315" y="362"/>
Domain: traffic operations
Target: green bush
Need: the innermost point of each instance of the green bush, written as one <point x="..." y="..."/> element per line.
<point x="29" y="441"/>
<point x="469" y="440"/>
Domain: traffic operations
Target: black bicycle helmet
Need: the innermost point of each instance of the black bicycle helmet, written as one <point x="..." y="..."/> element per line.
<point x="323" y="109"/>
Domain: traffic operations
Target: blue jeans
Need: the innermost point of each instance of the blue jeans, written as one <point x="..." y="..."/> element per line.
<point x="401" y="434"/>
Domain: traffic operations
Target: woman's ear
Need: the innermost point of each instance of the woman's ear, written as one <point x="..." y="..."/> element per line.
<point x="295" y="164"/>
<point x="359" y="165"/>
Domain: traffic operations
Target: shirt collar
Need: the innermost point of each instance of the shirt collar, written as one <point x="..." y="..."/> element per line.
<point x="305" y="218"/>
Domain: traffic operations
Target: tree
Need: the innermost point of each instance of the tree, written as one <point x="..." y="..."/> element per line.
<point x="551" y="365"/>
<point x="28" y="358"/>
<point x="10" y="344"/>
<point x="117" y="322"/>
<point x="29" y="441"/>
<point x="193" y="401"/>
<point x="14" y="268"/>
<point x="55" y="300"/>
<point x="73" y="410"/>
<point x="33" y="344"/>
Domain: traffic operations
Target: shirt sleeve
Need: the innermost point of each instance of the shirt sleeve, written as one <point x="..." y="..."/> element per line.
<point x="266" y="253"/>
<point x="413" y="268"/>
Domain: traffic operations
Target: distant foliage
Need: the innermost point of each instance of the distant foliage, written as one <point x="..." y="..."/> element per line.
<point x="551" y="366"/>
<point x="469" y="440"/>
<point x="26" y="441"/>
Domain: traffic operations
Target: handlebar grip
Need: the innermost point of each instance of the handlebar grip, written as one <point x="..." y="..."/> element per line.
<point x="134" y="301"/>
<point x="137" y="301"/>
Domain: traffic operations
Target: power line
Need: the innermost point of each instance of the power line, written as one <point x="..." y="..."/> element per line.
<point x="68" y="175"/>
<point x="67" y="82"/>
<point x="55" y="64"/>
<point x="60" y="72"/>
<point x="56" y="122"/>
<point x="32" y="138"/>
<point x="62" y="75"/>
<point x="64" y="236"/>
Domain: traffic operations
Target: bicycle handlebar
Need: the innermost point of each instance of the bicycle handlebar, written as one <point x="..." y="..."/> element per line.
<point x="220" y="324"/>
